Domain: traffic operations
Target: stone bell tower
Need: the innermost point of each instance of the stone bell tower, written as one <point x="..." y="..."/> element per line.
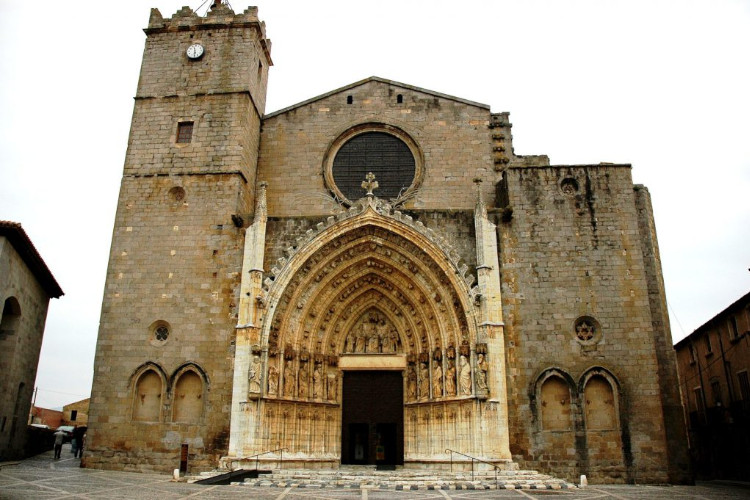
<point x="169" y="310"/>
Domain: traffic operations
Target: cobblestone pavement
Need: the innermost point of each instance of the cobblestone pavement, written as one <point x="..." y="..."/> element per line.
<point x="42" y="477"/>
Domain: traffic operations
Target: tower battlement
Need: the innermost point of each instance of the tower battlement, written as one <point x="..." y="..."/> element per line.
<point x="221" y="16"/>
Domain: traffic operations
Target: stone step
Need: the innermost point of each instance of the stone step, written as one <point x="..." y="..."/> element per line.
<point x="405" y="479"/>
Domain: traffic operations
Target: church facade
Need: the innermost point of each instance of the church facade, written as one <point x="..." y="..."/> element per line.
<point x="371" y="276"/>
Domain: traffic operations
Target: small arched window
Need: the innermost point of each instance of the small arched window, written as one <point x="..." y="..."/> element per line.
<point x="188" y="398"/>
<point x="10" y="318"/>
<point x="555" y="405"/>
<point x="601" y="412"/>
<point x="147" y="399"/>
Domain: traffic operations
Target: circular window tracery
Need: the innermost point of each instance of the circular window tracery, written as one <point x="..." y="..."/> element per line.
<point x="386" y="156"/>
<point x="587" y="330"/>
<point x="569" y="186"/>
<point x="160" y="332"/>
<point x="177" y="193"/>
<point x="387" y="152"/>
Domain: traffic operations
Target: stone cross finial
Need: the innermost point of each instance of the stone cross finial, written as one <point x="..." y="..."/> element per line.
<point x="370" y="184"/>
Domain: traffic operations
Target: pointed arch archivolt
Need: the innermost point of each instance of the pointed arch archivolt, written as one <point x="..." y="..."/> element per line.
<point x="368" y="263"/>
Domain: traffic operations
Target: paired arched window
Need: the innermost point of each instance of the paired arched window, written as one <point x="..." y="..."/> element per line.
<point x="599" y="404"/>
<point x="147" y="399"/>
<point x="187" y="394"/>
<point x="555" y="403"/>
<point x="557" y="397"/>
<point x="188" y="398"/>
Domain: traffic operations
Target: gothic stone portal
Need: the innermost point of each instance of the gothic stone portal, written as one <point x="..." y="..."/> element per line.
<point x="366" y="301"/>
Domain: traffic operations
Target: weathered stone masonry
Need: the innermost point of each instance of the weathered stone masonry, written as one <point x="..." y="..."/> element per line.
<point x="519" y="304"/>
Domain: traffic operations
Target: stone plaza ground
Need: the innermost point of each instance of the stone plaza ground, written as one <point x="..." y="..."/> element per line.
<point x="42" y="477"/>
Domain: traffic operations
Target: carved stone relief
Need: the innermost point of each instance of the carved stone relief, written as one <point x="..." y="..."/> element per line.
<point x="411" y="385"/>
<point x="289" y="379"/>
<point x="318" y="382"/>
<point x="424" y="381"/>
<point x="464" y="376"/>
<point x="373" y="333"/>
<point x="437" y="381"/>
<point x="254" y="375"/>
<point x="412" y="265"/>
<point x="303" y="383"/>
<point x="450" y="379"/>
<point x="273" y="380"/>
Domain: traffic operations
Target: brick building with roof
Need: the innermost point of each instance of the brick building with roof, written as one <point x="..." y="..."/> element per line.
<point x="713" y="364"/>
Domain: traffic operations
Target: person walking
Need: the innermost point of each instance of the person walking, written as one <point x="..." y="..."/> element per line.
<point x="79" y="433"/>
<point x="74" y="441"/>
<point x="59" y="438"/>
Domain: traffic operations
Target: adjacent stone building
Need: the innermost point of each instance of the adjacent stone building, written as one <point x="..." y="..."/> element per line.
<point x="371" y="276"/>
<point x="713" y="364"/>
<point x="77" y="413"/>
<point x="26" y="286"/>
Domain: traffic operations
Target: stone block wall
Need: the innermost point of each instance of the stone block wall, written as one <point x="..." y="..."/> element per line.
<point x="167" y="330"/>
<point x="175" y="261"/>
<point x="453" y="136"/>
<point x="572" y="250"/>
<point x="223" y="140"/>
<point x="236" y="58"/>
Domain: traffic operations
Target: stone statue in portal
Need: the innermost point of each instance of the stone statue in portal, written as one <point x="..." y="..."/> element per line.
<point x="254" y="375"/>
<point x="289" y="379"/>
<point x="390" y="341"/>
<point x="373" y="342"/>
<point x="304" y="381"/>
<point x="317" y="383"/>
<point x="411" y="385"/>
<point x="273" y="380"/>
<point x="437" y="381"/>
<point x="349" y="343"/>
<point x="359" y="344"/>
<point x="481" y="372"/>
<point x="332" y="386"/>
<point x="424" y="381"/>
<point x="464" y="377"/>
<point x="450" y="379"/>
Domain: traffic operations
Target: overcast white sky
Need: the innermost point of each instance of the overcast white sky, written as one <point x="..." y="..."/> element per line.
<point x="663" y="85"/>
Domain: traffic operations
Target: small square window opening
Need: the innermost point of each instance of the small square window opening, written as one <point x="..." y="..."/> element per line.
<point x="184" y="132"/>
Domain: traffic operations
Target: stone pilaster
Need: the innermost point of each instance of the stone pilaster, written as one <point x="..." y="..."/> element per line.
<point x="490" y="332"/>
<point x="245" y="404"/>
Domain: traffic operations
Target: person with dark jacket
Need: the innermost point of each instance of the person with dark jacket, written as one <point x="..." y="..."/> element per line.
<point x="78" y="435"/>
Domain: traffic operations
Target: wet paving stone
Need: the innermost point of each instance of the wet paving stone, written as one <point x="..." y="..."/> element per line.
<point x="43" y="478"/>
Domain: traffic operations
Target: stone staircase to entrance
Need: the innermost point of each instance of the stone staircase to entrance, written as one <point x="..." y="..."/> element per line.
<point x="366" y="477"/>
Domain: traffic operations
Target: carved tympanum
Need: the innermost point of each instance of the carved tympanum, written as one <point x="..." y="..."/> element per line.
<point x="372" y="333"/>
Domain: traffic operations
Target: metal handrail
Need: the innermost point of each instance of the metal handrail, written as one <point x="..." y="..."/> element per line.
<point x="257" y="456"/>
<point x="473" y="459"/>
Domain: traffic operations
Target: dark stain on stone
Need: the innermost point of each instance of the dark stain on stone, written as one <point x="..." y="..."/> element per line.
<point x="592" y="214"/>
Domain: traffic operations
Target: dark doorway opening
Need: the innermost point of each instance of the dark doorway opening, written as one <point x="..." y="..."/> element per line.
<point x="372" y="426"/>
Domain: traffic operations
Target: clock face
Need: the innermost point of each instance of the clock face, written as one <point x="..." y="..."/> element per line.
<point x="195" y="51"/>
